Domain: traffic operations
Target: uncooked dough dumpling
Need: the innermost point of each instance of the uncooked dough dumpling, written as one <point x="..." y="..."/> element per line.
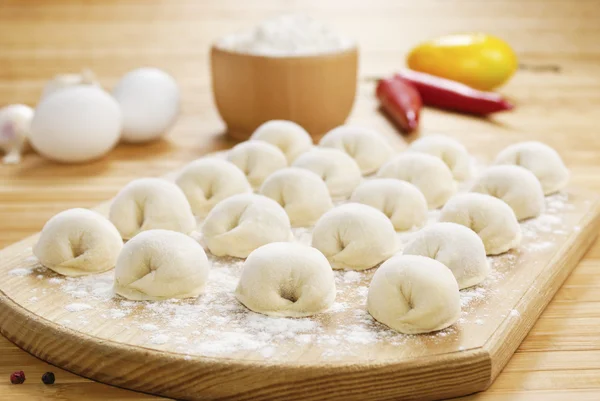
<point x="491" y="218"/>
<point x="302" y="194"/>
<point x="414" y="294"/>
<point x="429" y="173"/>
<point x="457" y="247"/>
<point x="402" y="202"/>
<point x="516" y="186"/>
<point x="77" y="242"/>
<point x="161" y="264"/>
<point x="339" y="171"/>
<point x="151" y="203"/>
<point x="449" y="150"/>
<point x="541" y="160"/>
<point x="257" y="160"/>
<point x="207" y="181"/>
<point x="241" y="223"/>
<point x="286" y="279"/>
<point x="368" y="148"/>
<point x="288" y="136"/>
<point x="355" y="237"/>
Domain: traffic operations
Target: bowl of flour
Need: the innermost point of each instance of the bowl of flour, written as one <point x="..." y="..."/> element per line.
<point x="288" y="68"/>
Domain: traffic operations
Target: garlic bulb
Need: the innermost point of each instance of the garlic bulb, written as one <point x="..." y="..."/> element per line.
<point x="61" y="81"/>
<point x="15" y="122"/>
<point x="149" y="100"/>
<point x="76" y="124"/>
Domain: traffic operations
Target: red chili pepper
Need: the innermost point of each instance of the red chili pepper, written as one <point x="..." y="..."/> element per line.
<point x="401" y="102"/>
<point x="451" y="95"/>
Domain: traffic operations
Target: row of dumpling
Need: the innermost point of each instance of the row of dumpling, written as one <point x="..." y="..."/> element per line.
<point x="160" y="264"/>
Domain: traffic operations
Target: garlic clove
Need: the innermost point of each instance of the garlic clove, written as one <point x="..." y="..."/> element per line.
<point x="15" y="123"/>
<point x="61" y="81"/>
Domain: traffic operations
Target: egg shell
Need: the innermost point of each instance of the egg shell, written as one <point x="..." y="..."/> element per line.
<point x="149" y="99"/>
<point x="76" y="124"/>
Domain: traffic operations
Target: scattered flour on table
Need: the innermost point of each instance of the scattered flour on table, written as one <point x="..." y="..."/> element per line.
<point x="77" y="307"/>
<point x="20" y="271"/>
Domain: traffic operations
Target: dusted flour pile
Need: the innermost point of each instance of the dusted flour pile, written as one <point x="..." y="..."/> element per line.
<point x="286" y="35"/>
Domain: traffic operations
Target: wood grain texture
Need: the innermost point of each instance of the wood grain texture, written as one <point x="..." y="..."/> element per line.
<point x="556" y="93"/>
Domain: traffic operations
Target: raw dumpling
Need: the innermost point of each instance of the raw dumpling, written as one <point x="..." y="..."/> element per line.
<point x="491" y="218"/>
<point x="452" y="152"/>
<point x="402" y="202"/>
<point x="457" y="247"/>
<point x="414" y="294"/>
<point x="516" y="186"/>
<point x="302" y="194"/>
<point x="205" y="182"/>
<point x="339" y="171"/>
<point x="239" y="224"/>
<point x="368" y="148"/>
<point x="257" y="159"/>
<point x="161" y="264"/>
<point x="355" y="237"/>
<point x="151" y="203"/>
<point x="541" y="160"/>
<point x="427" y="172"/>
<point x="77" y="242"/>
<point x="286" y="279"/>
<point x="288" y="136"/>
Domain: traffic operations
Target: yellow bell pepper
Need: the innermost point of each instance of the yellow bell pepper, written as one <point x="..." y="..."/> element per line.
<point x="481" y="61"/>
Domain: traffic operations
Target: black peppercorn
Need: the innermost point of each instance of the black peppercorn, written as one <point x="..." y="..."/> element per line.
<point x="48" y="378"/>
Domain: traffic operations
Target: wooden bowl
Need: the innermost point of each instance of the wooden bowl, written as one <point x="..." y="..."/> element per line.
<point x="316" y="92"/>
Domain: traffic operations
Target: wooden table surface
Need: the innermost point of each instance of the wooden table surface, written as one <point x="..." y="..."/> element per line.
<point x="557" y="92"/>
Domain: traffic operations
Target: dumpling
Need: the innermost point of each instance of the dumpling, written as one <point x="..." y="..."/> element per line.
<point x="161" y="264"/>
<point x="355" y="237"/>
<point x="241" y="223"/>
<point x="257" y="160"/>
<point x="151" y="203"/>
<point x="207" y="181"/>
<point x="516" y="186"/>
<point x="286" y="279"/>
<point x="402" y="202"/>
<point x="368" y="148"/>
<point x="491" y="218"/>
<point x="302" y="194"/>
<point x="288" y="136"/>
<point x="457" y="247"/>
<point x="414" y="294"/>
<point x="77" y="242"/>
<point x="449" y="150"/>
<point x="339" y="171"/>
<point x="427" y="172"/>
<point x="543" y="161"/>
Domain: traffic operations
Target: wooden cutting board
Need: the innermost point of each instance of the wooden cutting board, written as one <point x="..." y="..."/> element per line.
<point x="212" y="348"/>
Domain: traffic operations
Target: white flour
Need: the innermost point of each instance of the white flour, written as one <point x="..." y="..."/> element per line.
<point x="286" y="35"/>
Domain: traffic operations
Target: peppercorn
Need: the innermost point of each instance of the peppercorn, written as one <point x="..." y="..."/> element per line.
<point x="48" y="378"/>
<point x="17" y="377"/>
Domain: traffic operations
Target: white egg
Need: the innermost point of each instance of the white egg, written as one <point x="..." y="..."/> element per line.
<point x="149" y="100"/>
<point x="76" y="124"/>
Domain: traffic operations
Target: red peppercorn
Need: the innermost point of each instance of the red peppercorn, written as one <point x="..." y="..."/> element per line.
<point x="48" y="378"/>
<point x="17" y="377"/>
